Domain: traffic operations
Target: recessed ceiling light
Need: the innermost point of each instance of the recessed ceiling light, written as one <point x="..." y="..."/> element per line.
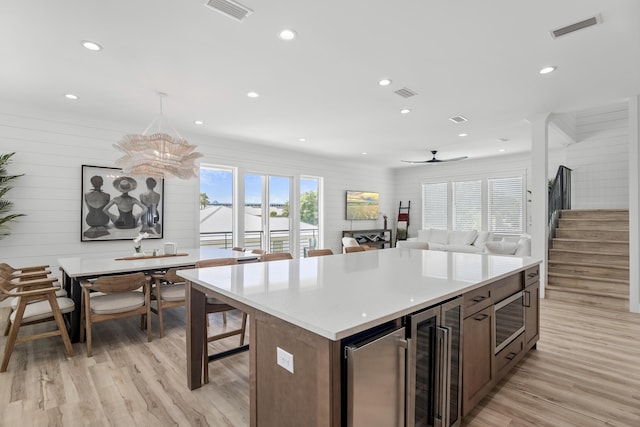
<point x="199" y="122"/>
<point x="364" y="153"/>
<point x="88" y="44"/>
<point x="547" y="70"/>
<point x="287" y="34"/>
<point x="253" y="94"/>
<point x="303" y="140"/>
<point x="463" y="134"/>
<point x="71" y="96"/>
<point x="405" y="111"/>
<point x="502" y="150"/>
<point x="384" y="82"/>
<point x="503" y="139"/>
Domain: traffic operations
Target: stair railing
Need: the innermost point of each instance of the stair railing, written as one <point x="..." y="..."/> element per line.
<point x="559" y="198"/>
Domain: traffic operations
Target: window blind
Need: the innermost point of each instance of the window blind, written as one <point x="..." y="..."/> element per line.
<point x="467" y="205"/>
<point x="434" y="205"/>
<point x="506" y="203"/>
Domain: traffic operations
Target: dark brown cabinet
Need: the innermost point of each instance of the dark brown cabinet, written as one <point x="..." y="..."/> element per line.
<point x="531" y="314"/>
<point x="477" y="357"/>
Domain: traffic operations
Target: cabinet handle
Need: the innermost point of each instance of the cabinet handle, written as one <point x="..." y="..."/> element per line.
<point x="511" y="355"/>
<point x="479" y="298"/>
<point x="481" y="317"/>
<point x="526" y="296"/>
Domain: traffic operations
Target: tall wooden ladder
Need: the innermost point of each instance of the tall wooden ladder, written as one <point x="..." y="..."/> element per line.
<point x="402" y="224"/>
<point x="589" y="259"/>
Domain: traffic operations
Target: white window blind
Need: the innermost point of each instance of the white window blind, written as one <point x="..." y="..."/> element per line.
<point x="506" y="205"/>
<point x="467" y="205"/>
<point x="434" y="205"/>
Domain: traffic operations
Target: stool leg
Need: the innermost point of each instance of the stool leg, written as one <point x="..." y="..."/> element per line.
<point x="55" y="308"/>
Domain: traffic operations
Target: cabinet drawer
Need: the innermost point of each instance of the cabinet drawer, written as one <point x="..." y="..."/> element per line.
<point x="477" y="300"/>
<point x="509" y="356"/>
<point x="506" y="287"/>
<point x="531" y="275"/>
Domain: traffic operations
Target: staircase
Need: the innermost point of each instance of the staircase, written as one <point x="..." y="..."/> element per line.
<point x="589" y="259"/>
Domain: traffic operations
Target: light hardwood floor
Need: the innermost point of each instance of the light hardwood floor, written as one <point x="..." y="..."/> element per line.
<point x="585" y="372"/>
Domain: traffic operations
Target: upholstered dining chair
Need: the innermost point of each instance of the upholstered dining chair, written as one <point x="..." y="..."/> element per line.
<point x="213" y="305"/>
<point x="237" y="249"/>
<point x="115" y="297"/>
<point x="36" y="303"/>
<point x="257" y="251"/>
<point x="168" y="292"/>
<point x="275" y="256"/>
<point x="319" y="252"/>
<point x="350" y="249"/>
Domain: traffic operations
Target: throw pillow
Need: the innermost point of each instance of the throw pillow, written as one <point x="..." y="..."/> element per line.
<point x="501" y="248"/>
<point x="524" y="247"/>
<point x="483" y="237"/>
<point x="462" y="237"/>
<point x="439" y="236"/>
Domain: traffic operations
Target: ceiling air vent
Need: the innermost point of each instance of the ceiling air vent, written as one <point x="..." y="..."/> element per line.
<point x="458" y="119"/>
<point x="405" y="92"/>
<point x="229" y="8"/>
<point x="589" y="22"/>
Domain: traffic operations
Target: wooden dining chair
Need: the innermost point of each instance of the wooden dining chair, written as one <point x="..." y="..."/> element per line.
<point x="349" y="249"/>
<point x="213" y="305"/>
<point x="237" y="249"/>
<point x="115" y="297"/>
<point x="168" y="292"/>
<point x="257" y="251"/>
<point x="319" y="252"/>
<point x="37" y="303"/>
<point x="276" y="256"/>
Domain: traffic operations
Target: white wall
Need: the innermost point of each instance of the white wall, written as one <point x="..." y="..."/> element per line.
<point x="51" y="150"/>
<point x="599" y="158"/>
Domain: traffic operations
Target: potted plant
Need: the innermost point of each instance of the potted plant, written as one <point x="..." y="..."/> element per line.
<point x="5" y="186"/>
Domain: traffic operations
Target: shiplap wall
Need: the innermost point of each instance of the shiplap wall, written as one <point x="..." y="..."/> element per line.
<point x="50" y="151"/>
<point x="408" y="181"/>
<point x="599" y="158"/>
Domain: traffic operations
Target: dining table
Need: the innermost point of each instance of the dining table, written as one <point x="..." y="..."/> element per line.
<point x="76" y="269"/>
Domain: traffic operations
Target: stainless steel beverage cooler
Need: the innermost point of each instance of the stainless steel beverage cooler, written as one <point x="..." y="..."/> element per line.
<point x="376" y="380"/>
<point x="434" y="377"/>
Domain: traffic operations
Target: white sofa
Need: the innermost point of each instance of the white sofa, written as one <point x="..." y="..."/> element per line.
<point x="471" y="241"/>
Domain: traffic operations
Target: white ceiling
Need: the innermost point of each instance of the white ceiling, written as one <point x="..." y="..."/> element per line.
<point x="474" y="58"/>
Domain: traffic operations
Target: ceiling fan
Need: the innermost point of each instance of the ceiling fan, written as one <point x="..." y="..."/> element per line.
<point x="434" y="160"/>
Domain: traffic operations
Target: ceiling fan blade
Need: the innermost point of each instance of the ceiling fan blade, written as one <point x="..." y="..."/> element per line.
<point x="415" y="162"/>
<point x="455" y="159"/>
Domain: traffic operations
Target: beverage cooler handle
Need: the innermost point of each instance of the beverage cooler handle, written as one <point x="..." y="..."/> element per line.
<point x="442" y="397"/>
<point x="526" y="296"/>
<point x="410" y="383"/>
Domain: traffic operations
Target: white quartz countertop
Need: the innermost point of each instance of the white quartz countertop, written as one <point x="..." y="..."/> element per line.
<point x="339" y="295"/>
<point x="106" y="263"/>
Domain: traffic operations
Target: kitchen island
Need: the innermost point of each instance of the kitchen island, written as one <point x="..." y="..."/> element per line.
<point x="304" y="312"/>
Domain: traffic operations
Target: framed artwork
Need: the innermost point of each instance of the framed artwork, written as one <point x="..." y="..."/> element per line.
<point x="119" y="207"/>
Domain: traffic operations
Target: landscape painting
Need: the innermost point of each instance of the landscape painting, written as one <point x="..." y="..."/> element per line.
<point x="362" y="204"/>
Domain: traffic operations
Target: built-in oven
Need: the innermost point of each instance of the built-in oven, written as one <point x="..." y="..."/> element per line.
<point x="509" y="320"/>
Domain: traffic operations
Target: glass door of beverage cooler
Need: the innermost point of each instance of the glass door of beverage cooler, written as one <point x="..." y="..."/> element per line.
<point x="433" y="383"/>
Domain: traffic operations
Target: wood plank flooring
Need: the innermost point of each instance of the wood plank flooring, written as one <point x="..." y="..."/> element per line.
<point x="585" y="372"/>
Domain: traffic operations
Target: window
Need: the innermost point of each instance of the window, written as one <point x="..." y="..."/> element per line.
<point x="309" y="213"/>
<point x="505" y="205"/>
<point x="467" y="205"/>
<point x="216" y="207"/>
<point x="434" y="205"/>
<point x="492" y="204"/>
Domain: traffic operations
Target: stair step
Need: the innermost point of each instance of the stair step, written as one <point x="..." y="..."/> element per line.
<point x="596" y="213"/>
<point x="606" y="246"/>
<point x="592" y="234"/>
<point x="588" y="257"/>
<point x="589" y="283"/>
<point x="599" y="224"/>
<point x="589" y="269"/>
<point x="600" y="300"/>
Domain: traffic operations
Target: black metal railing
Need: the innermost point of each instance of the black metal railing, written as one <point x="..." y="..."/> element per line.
<point x="280" y="240"/>
<point x="559" y="198"/>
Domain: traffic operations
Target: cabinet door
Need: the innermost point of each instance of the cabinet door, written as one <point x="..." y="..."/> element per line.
<point x="532" y="314"/>
<point x="477" y="364"/>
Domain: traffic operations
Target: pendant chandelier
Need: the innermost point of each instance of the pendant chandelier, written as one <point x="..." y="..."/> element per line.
<point x="158" y="154"/>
